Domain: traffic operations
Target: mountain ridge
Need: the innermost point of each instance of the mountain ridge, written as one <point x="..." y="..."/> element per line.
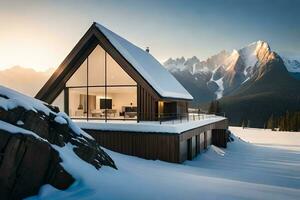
<point x="251" y="83"/>
<point x="24" y="80"/>
<point x="225" y="71"/>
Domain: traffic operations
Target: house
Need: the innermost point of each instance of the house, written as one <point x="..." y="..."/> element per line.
<point x="107" y="77"/>
<point x="106" y="81"/>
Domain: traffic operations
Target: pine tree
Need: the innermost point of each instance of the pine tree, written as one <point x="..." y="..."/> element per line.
<point x="211" y="109"/>
<point x="270" y="123"/>
<point x="287" y="121"/>
<point x="298" y="121"/>
<point x="281" y="124"/>
<point x="290" y="121"/>
<point x="217" y="106"/>
<point x="276" y="123"/>
<point x="243" y="124"/>
<point x="248" y="124"/>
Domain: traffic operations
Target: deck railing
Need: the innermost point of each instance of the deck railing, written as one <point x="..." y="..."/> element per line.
<point x="179" y="118"/>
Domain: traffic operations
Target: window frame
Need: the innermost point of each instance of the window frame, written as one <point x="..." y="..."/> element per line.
<point x="105" y="86"/>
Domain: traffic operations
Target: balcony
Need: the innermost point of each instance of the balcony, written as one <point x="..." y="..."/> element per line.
<point x="164" y="124"/>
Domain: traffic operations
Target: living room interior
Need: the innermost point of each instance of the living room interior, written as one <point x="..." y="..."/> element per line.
<point x="100" y="89"/>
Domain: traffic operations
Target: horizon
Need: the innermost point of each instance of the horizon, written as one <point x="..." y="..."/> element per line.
<point x="50" y="69"/>
<point x="31" y="36"/>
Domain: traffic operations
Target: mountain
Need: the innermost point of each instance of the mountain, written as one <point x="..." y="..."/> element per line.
<point x="251" y="83"/>
<point x="271" y="90"/>
<point x="24" y="80"/>
<point x="292" y="66"/>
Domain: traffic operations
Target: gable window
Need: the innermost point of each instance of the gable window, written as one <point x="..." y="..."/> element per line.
<point x="101" y="89"/>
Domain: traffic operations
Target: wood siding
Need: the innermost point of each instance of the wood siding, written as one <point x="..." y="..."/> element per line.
<point x="170" y="147"/>
<point x="147" y="105"/>
<point x="219" y="137"/>
<point x="152" y="146"/>
<point x="203" y="138"/>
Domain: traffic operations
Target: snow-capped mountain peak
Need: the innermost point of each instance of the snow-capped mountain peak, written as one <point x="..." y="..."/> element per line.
<point x="292" y="65"/>
<point x="175" y="64"/>
<point x="226" y="71"/>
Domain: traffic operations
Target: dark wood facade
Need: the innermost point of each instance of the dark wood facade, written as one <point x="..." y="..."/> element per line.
<point x="145" y="145"/>
<point x="219" y="137"/>
<point x="147" y="105"/>
<point x="170" y="147"/>
<point x="147" y="96"/>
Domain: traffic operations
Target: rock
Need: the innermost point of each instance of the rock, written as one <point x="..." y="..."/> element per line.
<point x="28" y="161"/>
<point x="212" y="86"/>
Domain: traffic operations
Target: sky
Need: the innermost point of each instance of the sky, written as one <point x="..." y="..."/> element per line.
<point x="40" y="34"/>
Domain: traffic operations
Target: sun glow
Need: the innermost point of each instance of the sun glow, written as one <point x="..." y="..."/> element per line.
<point x="29" y="47"/>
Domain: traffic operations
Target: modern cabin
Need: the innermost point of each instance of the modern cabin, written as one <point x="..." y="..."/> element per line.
<point x="128" y="101"/>
<point x="106" y="77"/>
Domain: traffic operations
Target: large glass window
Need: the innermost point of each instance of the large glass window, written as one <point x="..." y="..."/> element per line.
<point x="122" y="103"/>
<point x="116" y="75"/>
<point x="78" y="102"/>
<point x="59" y="102"/>
<point x="96" y="69"/>
<point x="101" y="89"/>
<point x="79" y="78"/>
<point x="96" y="102"/>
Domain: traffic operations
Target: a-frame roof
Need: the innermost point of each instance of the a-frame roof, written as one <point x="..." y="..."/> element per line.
<point x="144" y="64"/>
<point x="156" y="75"/>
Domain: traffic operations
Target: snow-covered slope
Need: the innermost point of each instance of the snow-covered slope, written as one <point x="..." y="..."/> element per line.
<point x="264" y="137"/>
<point x="33" y="139"/>
<point x="292" y="65"/>
<point x="242" y="171"/>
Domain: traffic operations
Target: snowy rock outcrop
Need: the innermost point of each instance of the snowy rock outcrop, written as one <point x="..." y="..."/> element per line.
<point x="32" y="136"/>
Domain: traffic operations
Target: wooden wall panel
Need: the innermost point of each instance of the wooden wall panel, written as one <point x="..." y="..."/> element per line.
<point x="216" y="125"/>
<point x="202" y="146"/>
<point x="219" y="137"/>
<point x="145" y="145"/>
<point x="146" y="105"/>
<point x="208" y="137"/>
<point x="162" y="146"/>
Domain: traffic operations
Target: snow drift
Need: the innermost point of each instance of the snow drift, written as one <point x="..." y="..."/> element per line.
<point x="34" y="139"/>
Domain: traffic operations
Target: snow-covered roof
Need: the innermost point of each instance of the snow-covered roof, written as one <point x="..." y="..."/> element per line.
<point x="148" y="67"/>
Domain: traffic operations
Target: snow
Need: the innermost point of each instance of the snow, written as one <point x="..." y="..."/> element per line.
<point x="242" y="171"/>
<point x="17" y="130"/>
<point x="151" y="126"/>
<point x="247" y="79"/>
<point x="249" y="55"/>
<point x="17" y="99"/>
<point x="231" y="60"/>
<point x="292" y="65"/>
<point x="10" y="99"/>
<point x="150" y="69"/>
<point x="60" y="120"/>
<point x="175" y="65"/>
<point x="267" y="138"/>
<point x="219" y="82"/>
<point x="20" y="123"/>
<point x="220" y="90"/>
<point x="73" y="126"/>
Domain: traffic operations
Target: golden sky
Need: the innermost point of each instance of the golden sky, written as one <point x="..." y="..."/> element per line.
<point x="40" y="34"/>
